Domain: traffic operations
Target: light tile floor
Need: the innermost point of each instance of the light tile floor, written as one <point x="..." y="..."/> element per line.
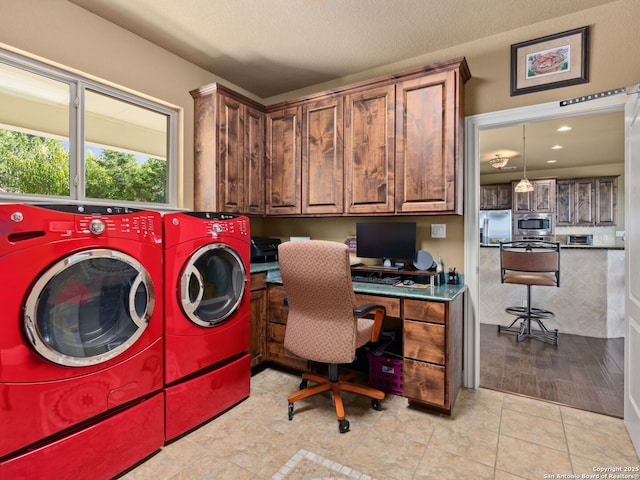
<point x="491" y="435"/>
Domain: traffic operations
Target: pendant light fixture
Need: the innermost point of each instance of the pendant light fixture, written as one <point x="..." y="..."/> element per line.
<point x="524" y="185"/>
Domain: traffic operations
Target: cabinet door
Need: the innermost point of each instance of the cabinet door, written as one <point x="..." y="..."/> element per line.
<point x="322" y="156"/>
<point x="544" y="196"/>
<point x="369" y="151"/>
<point x="488" y="197"/>
<point x="205" y="165"/>
<point x="503" y="196"/>
<point x="585" y="195"/>
<point x="426" y="145"/>
<point x="606" y="200"/>
<point x="565" y="202"/>
<point x="230" y="155"/>
<point x="254" y="181"/>
<point x="258" y="318"/>
<point x="283" y="162"/>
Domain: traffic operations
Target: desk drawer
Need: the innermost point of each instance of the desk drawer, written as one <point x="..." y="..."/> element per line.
<point x="424" y="341"/>
<point x="425" y="311"/>
<point x="258" y="281"/>
<point x="391" y="304"/>
<point x="424" y="382"/>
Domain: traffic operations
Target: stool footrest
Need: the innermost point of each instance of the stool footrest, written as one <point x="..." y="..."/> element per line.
<point x="534" y="312"/>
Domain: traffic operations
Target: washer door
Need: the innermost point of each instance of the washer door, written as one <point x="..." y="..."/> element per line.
<point x="89" y="307"/>
<point x="212" y="284"/>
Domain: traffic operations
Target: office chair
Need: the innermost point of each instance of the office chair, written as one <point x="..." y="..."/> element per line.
<point x="324" y="324"/>
<point x="530" y="263"/>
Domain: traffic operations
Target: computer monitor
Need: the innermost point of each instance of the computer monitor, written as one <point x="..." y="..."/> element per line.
<point x="388" y="241"/>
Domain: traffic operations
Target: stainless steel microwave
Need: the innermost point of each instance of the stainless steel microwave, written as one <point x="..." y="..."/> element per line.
<point x="534" y="224"/>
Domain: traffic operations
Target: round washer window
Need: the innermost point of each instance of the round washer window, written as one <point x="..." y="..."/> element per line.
<point x="89" y="307"/>
<point x="212" y="284"/>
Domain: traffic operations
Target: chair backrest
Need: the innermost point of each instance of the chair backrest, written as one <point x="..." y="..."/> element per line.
<point x="316" y="276"/>
<point x="530" y="261"/>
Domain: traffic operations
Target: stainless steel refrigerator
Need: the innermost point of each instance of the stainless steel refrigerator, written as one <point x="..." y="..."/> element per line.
<point x="495" y="226"/>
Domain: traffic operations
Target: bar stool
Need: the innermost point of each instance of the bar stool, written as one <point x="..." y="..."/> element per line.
<point x="530" y="263"/>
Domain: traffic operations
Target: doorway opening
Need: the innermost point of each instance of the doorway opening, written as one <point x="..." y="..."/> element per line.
<point x="474" y="125"/>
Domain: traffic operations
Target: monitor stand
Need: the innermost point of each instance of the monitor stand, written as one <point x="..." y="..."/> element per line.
<point x="387" y="264"/>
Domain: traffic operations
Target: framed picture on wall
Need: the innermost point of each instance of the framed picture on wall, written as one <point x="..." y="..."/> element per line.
<point x="553" y="61"/>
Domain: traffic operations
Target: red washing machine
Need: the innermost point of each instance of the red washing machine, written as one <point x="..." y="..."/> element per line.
<point x="81" y="353"/>
<point x="207" y="364"/>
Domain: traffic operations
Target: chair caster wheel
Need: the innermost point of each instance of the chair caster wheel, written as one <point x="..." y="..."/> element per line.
<point x="343" y="426"/>
<point x="290" y="411"/>
<point x="303" y="384"/>
<point x="376" y="404"/>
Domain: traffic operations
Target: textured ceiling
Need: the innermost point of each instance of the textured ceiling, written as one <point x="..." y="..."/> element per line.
<point x="271" y="47"/>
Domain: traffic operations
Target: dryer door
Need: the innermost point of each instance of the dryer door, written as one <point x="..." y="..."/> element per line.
<point x="212" y="284"/>
<point x="89" y="307"/>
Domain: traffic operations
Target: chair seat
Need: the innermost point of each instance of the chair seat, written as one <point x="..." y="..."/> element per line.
<point x="530" y="278"/>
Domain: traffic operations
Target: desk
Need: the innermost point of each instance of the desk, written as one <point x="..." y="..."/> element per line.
<point x="431" y="320"/>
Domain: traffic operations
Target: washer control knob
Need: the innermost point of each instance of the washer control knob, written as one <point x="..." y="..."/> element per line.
<point x="97" y="226"/>
<point x="17" y="217"/>
<point x="217" y="228"/>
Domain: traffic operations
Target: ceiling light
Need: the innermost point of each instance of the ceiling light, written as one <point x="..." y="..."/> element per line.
<point x="557" y="147"/>
<point x="524" y="185"/>
<point x="564" y="128"/>
<point x="552" y="161"/>
<point x="498" y="162"/>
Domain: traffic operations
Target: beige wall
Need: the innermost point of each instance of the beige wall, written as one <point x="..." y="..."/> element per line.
<point x="68" y="35"/>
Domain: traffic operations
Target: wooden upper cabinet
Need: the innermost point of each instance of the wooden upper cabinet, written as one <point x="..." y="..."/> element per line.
<point x="283" y="169"/>
<point x="228" y="152"/>
<point x="495" y="197"/>
<point x="542" y="199"/>
<point x="230" y="155"/>
<point x="322" y="156"/>
<point x="369" y="151"/>
<point x="428" y="173"/>
<point x="587" y="201"/>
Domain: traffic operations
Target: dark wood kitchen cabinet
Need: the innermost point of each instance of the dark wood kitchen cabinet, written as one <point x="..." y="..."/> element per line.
<point x="495" y="197"/>
<point x="228" y="152"/>
<point x="429" y="142"/>
<point x="322" y="156"/>
<point x="542" y="199"/>
<point x="369" y="151"/>
<point x="284" y="162"/>
<point x="588" y="201"/>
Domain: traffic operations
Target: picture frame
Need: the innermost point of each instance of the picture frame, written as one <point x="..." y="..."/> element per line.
<point x="554" y="61"/>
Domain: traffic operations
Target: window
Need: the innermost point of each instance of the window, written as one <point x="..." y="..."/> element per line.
<point x="65" y="137"/>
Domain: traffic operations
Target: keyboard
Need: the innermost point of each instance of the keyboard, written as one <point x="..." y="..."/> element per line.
<point x="375" y="279"/>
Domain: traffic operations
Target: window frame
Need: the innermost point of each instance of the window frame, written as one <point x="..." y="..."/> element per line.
<point x="78" y="85"/>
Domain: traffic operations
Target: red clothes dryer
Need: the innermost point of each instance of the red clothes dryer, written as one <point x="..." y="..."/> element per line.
<point x="207" y="364"/>
<point x="81" y="354"/>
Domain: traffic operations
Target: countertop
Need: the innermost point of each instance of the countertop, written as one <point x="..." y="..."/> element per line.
<point x="571" y="247"/>
<point x="441" y="293"/>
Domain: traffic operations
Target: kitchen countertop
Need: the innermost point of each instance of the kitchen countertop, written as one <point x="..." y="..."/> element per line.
<point x="584" y="247"/>
<point x="441" y="293"/>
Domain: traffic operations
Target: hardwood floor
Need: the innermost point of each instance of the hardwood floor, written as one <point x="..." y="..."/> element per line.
<point x="582" y="372"/>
